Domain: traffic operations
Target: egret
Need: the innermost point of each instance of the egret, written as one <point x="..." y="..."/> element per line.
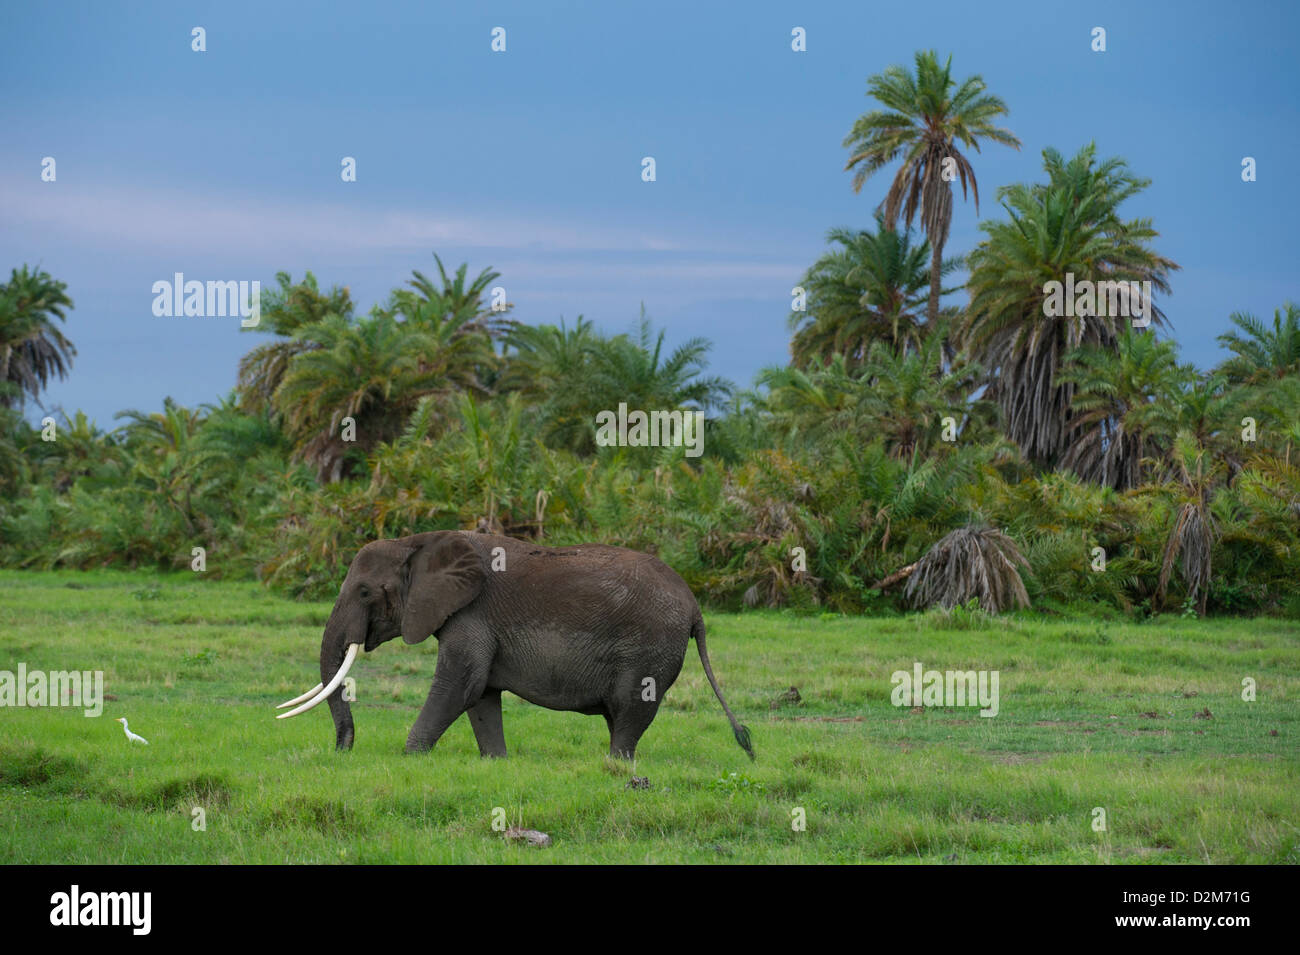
<point x="133" y="737"/>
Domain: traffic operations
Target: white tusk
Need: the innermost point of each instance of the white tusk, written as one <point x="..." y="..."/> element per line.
<point x="298" y="699"/>
<point x="333" y="684"/>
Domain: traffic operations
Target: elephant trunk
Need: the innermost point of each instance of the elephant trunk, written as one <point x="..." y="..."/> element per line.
<point x="346" y="626"/>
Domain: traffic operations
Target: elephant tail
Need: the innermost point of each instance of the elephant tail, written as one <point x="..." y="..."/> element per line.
<point x="742" y="732"/>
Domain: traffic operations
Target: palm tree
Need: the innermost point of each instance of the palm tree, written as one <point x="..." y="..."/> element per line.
<point x="636" y="371"/>
<point x="815" y="402"/>
<point x="373" y="371"/>
<point x="546" y="358"/>
<point x="1209" y="409"/>
<point x="973" y="562"/>
<point x="906" y="396"/>
<point x="901" y="397"/>
<point x="82" y="449"/>
<point x="158" y="434"/>
<point x="285" y="311"/>
<point x="462" y="304"/>
<point x="14" y="471"/>
<point x="1124" y="401"/>
<point x="576" y="373"/>
<point x="231" y="441"/>
<point x="924" y="119"/>
<point x="1190" y="544"/>
<point x="458" y="339"/>
<point x="453" y="308"/>
<point x="429" y="339"/>
<point x="1068" y="225"/>
<point x="1269" y="486"/>
<point x="873" y="288"/>
<point x="161" y="448"/>
<point x="1204" y="406"/>
<point x="32" y="348"/>
<point x="490" y="454"/>
<point x="1258" y="353"/>
<point x="551" y="365"/>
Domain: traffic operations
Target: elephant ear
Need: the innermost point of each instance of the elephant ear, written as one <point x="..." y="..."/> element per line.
<point x="444" y="575"/>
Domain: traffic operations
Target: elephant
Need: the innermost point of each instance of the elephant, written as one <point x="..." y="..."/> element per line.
<point x="591" y="629"/>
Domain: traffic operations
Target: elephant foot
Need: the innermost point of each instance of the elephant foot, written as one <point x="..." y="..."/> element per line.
<point x="417" y="746"/>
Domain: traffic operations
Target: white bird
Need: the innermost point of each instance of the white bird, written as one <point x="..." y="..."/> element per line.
<point x="133" y="737"/>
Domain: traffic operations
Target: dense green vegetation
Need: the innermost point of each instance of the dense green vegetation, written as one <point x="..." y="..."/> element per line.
<point x="1066" y="497"/>
<point x="1145" y="721"/>
<point x="1118" y="474"/>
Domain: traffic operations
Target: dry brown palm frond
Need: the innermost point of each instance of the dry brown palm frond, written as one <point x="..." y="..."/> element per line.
<point x="1190" y="543"/>
<point x="1191" y="539"/>
<point x="970" y="562"/>
<point x="775" y="585"/>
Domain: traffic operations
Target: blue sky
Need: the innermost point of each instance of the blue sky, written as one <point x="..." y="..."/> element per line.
<point x="225" y="164"/>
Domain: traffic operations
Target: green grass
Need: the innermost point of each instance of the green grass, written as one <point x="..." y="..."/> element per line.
<point x="1092" y="715"/>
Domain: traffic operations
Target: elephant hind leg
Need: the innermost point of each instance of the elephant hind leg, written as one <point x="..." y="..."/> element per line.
<point x="629" y="720"/>
<point x="485" y="717"/>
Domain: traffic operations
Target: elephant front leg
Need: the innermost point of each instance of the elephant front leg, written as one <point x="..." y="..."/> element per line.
<point x="344" y="734"/>
<point x="457" y="685"/>
<point x="485" y="717"/>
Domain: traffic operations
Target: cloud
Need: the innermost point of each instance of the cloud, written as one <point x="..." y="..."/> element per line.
<point x="544" y="251"/>
<point x="156" y="219"/>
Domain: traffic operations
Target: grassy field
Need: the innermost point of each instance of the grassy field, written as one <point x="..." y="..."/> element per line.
<point x="1145" y="721"/>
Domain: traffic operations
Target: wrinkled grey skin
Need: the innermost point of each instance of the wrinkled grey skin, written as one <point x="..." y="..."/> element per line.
<point x="570" y="628"/>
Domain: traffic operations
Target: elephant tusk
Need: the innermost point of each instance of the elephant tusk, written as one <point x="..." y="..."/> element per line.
<point x="333" y="684"/>
<point x="298" y="699"/>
